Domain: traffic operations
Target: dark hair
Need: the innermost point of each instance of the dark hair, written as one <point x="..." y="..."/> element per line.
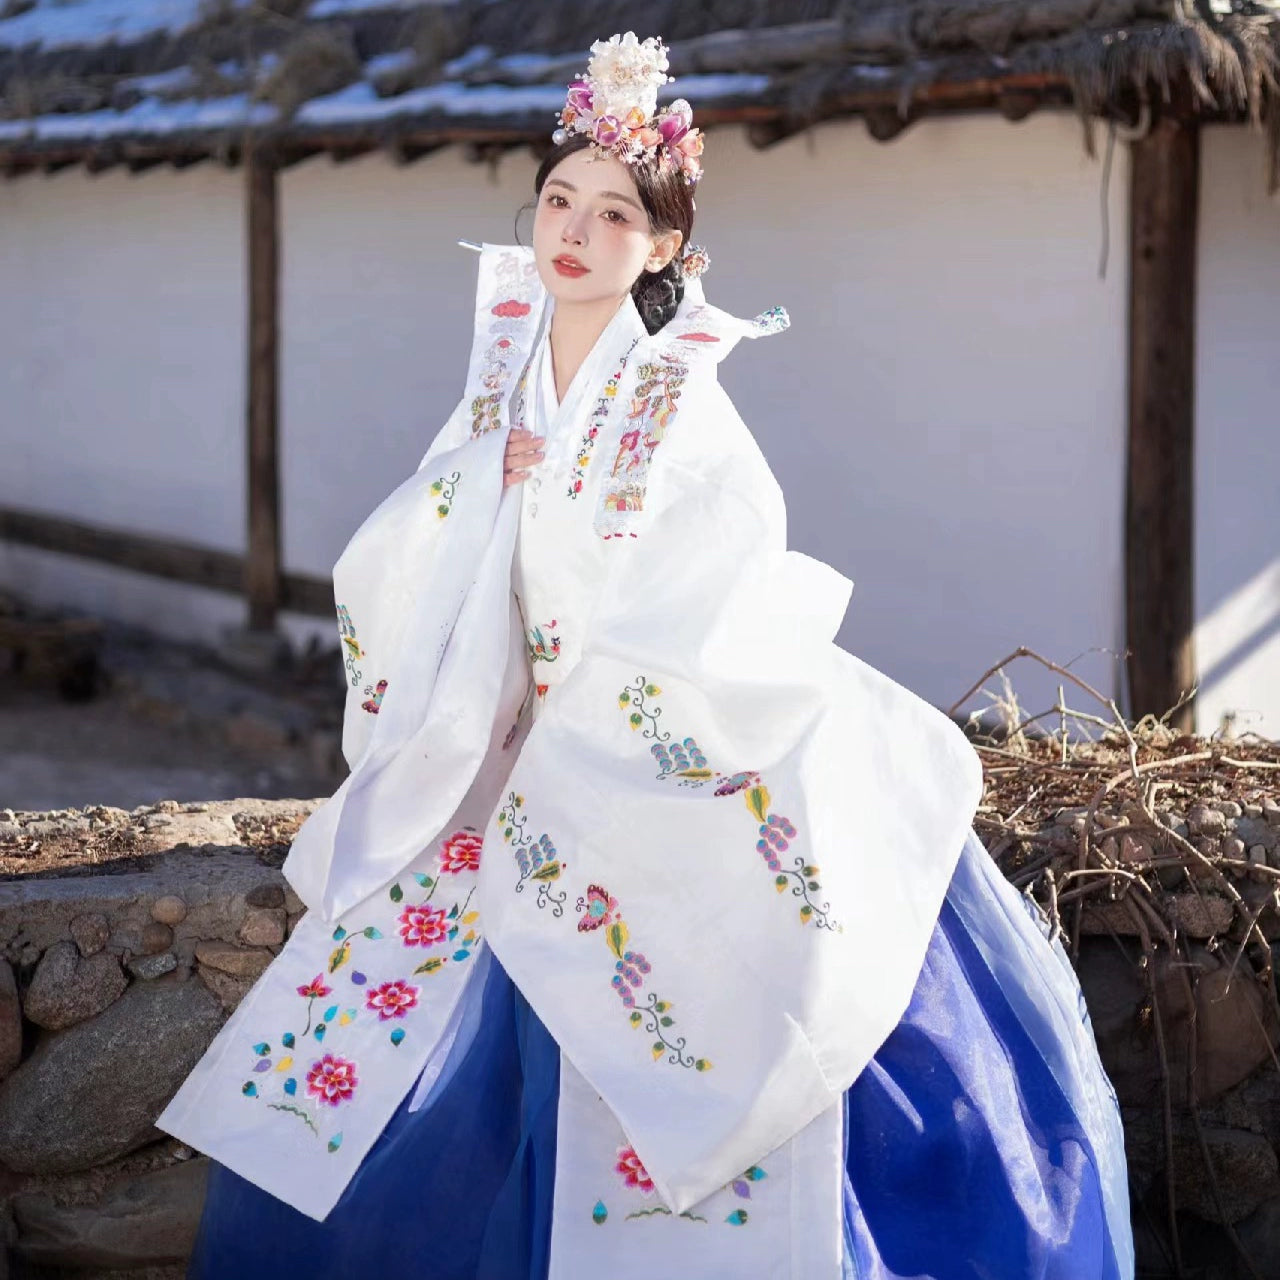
<point x="668" y="200"/>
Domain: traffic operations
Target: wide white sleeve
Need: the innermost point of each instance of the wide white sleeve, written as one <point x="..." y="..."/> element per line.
<point x="456" y="431"/>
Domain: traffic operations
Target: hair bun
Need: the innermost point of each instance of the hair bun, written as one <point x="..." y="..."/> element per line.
<point x="658" y="294"/>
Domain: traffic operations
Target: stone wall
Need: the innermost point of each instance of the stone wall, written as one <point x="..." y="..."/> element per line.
<point x="126" y="938"/>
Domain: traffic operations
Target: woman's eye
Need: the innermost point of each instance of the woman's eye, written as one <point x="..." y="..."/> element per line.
<point x="556" y="200"/>
<point x="614" y="216"/>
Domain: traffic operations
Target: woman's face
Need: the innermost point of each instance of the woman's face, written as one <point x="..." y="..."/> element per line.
<point x="591" y="236"/>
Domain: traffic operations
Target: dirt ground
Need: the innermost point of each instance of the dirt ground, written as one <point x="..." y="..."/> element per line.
<point x="169" y="722"/>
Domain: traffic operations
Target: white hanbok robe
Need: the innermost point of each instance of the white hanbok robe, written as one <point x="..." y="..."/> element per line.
<point x="710" y="852"/>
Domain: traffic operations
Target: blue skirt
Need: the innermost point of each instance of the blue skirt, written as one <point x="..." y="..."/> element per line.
<point x="982" y="1142"/>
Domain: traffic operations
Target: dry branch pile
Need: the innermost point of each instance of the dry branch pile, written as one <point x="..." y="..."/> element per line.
<point x="1168" y="844"/>
<point x="1114" y="827"/>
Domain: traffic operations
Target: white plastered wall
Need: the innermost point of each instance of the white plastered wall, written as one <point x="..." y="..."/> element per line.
<point x="1237" y="462"/>
<point x="122" y="379"/>
<point x="946" y="415"/>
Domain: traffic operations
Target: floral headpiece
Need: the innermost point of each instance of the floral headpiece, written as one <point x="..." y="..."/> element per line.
<point x="615" y="104"/>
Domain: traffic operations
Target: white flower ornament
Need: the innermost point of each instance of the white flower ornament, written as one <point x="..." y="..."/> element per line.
<point x="615" y="105"/>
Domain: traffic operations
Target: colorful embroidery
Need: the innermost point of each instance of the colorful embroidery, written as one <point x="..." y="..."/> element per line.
<point x="536" y="860"/>
<point x="315" y="1089"/>
<point x="373" y="704"/>
<point x="313" y="991"/>
<point x="342" y="953"/>
<point x="599" y="910"/>
<point x="444" y="489"/>
<point x="392" y="999"/>
<point x="685" y="761"/>
<point x="332" y="1080"/>
<point x="543" y="647"/>
<point x="599" y="415"/>
<point x="654" y="406"/>
<point x="636" y="1177"/>
<point x="515" y="282"/>
<point x="423" y="926"/>
<point x="633" y="1172"/>
<point x="461" y="852"/>
<point x="772" y="321"/>
<point x="653" y="409"/>
<point x="347" y="633"/>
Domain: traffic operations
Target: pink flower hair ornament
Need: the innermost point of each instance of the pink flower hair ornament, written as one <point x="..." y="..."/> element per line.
<point x="616" y="105"/>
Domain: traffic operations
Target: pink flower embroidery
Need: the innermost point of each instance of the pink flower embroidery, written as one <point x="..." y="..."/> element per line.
<point x="315" y="987"/>
<point x="597" y="908"/>
<point x="422" y="926"/>
<point x="461" y="852"/>
<point x="392" y="999"/>
<point x="633" y="1172"/>
<point x="332" y="1080"/>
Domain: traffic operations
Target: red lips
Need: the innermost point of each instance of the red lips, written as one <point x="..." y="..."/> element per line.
<point x="567" y="265"/>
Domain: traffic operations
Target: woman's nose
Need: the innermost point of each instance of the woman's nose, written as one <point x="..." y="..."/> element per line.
<point x="574" y="231"/>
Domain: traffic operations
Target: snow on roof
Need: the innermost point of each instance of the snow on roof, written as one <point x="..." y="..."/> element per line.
<point x="53" y="25"/>
<point x="151" y="116"/>
<point x="398" y="73"/>
<point x="360" y="102"/>
<point x="336" y="8"/>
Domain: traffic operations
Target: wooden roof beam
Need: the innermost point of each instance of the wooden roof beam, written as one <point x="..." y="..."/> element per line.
<point x="404" y="151"/>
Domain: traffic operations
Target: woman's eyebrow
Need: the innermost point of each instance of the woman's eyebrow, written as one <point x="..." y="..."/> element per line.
<point x="608" y="195"/>
<point x="617" y="195"/>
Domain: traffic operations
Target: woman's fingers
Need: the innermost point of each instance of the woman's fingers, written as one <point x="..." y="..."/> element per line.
<point x="523" y="451"/>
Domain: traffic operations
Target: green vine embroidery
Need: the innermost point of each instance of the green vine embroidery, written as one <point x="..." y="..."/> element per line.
<point x="662" y="1209"/>
<point x="346" y="940"/>
<point x="684" y="761"/>
<point x="645" y="717"/>
<point x="295" y="1111"/>
<point x="350" y="645"/>
<point x="599" y="911"/>
<point x="536" y="860"/>
<point x="444" y="489"/>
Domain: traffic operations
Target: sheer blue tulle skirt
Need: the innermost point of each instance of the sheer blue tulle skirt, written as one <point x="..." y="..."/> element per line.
<point x="982" y="1142"/>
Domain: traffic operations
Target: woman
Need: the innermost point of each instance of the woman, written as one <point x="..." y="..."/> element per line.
<point x="649" y="934"/>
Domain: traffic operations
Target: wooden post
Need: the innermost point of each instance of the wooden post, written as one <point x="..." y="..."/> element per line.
<point x="262" y="563"/>
<point x="1160" y="491"/>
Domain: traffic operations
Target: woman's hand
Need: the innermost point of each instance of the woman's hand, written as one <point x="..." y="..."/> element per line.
<point x="524" y="449"/>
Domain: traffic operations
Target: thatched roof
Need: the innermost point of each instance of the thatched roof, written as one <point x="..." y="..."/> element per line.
<point x="142" y="82"/>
